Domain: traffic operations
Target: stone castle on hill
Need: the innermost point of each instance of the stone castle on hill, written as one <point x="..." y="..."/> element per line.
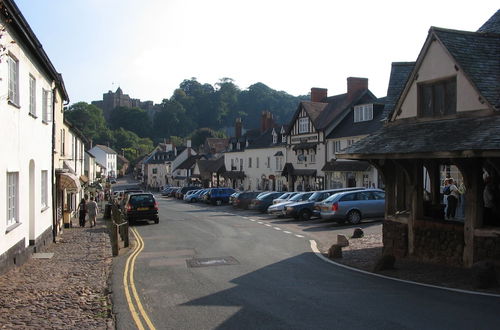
<point x="112" y="100"/>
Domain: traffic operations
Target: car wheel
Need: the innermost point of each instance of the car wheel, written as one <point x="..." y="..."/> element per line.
<point x="354" y="217"/>
<point x="194" y="200"/>
<point x="157" y="221"/>
<point x="305" y="215"/>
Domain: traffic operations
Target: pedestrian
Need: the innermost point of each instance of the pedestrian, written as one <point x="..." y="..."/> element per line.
<point x="82" y="212"/>
<point x="92" y="210"/>
<point x="453" y="198"/>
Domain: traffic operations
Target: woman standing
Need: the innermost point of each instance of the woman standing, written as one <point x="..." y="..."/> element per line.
<point x="82" y="212"/>
<point x="92" y="209"/>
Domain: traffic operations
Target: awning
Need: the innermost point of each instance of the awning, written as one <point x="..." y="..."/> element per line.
<point x="84" y="179"/>
<point x="68" y="181"/>
<point x="279" y="153"/>
<point x="290" y="170"/>
<point x="346" y="166"/>
<point x="234" y="175"/>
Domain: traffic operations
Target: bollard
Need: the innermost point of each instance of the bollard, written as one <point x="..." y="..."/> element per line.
<point x="114" y="239"/>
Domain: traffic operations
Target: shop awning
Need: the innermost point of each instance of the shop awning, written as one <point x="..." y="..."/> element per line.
<point x="84" y="179"/>
<point x="68" y="181"/>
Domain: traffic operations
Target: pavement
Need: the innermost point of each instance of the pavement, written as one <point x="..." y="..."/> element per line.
<point x="66" y="290"/>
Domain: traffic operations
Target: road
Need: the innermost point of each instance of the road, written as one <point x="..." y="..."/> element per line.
<point x="271" y="280"/>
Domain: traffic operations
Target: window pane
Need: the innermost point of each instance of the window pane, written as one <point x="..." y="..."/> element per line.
<point x="426" y="105"/>
<point x="439" y="99"/>
<point x="451" y="97"/>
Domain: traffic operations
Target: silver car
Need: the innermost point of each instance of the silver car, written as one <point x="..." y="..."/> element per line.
<point x="280" y="208"/>
<point x="354" y="206"/>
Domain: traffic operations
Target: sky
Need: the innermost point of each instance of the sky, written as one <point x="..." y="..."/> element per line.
<point x="149" y="47"/>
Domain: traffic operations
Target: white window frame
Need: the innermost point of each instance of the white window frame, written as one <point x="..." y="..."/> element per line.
<point x="32" y="89"/>
<point x="363" y="113"/>
<point x="275" y="138"/>
<point x="45" y="189"/>
<point x="12" y="198"/>
<point x="312" y="157"/>
<point x="304" y="125"/>
<point x="46" y="106"/>
<point x="13" y="93"/>
<point x="337" y="146"/>
<point x="283" y="138"/>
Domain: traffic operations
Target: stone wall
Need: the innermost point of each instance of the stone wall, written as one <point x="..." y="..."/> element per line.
<point x="395" y="238"/>
<point x="486" y="248"/>
<point x="439" y="242"/>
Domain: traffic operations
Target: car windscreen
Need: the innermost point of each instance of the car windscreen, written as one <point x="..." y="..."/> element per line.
<point x="300" y="197"/>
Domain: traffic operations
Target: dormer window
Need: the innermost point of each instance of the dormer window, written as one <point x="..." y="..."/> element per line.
<point x="303" y="125"/>
<point x="363" y="113"/>
<point x="275" y="137"/>
<point x="283" y="138"/>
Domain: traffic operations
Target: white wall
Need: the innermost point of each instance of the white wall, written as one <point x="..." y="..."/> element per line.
<point x="25" y="140"/>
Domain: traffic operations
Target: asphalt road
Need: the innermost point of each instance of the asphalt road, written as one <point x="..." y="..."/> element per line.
<point x="273" y="281"/>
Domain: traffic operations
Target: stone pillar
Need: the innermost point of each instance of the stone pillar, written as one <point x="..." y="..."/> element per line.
<point x="472" y="173"/>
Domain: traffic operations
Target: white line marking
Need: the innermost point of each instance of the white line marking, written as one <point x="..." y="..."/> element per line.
<point x="253" y="220"/>
<point x="299" y="236"/>
<point x="277" y="228"/>
<point x="287" y="232"/>
<point x="260" y="222"/>
<point x="268" y="225"/>
<point x="317" y="252"/>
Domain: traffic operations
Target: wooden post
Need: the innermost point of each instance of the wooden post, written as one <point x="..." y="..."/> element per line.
<point x="473" y="208"/>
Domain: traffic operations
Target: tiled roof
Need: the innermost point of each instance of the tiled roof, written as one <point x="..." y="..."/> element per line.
<point x="346" y="166"/>
<point x="478" y="55"/>
<point x="106" y="149"/>
<point x="400" y="72"/>
<point x="209" y="166"/>
<point x="160" y="157"/>
<point x="189" y="162"/>
<point x="492" y="25"/>
<point x="453" y="135"/>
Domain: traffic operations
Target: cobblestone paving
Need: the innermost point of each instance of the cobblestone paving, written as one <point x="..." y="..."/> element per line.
<point x="68" y="291"/>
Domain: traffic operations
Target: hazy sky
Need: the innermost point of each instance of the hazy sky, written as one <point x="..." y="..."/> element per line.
<point x="149" y="47"/>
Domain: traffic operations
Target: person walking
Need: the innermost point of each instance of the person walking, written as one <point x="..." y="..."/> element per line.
<point x="92" y="210"/>
<point x="82" y="212"/>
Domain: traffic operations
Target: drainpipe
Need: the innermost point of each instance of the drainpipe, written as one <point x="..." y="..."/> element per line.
<point x="53" y="174"/>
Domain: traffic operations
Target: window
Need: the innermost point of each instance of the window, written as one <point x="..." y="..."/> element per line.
<point x="337" y="146"/>
<point x="63" y="142"/>
<point x="257" y="162"/>
<point x="275" y="137"/>
<point x="303" y="125"/>
<point x="363" y="113"/>
<point x="438" y="98"/>
<point x="312" y="157"/>
<point x="277" y="163"/>
<point x="12" y="198"/>
<point x="155" y="171"/>
<point x="46" y="106"/>
<point x="249" y="162"/>
<point x="32" y="96"/>
<point x="45" y="189"/>
<point x="13" y="80"/>
<point x="268" y="162"/>
<point x="232" y="164"/>
<point x="283" y="138"/>
<point x="241" y="164"/>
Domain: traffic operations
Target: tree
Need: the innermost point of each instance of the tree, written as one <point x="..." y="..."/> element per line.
<point x="199" y="136"/>
<point x="89" y="119"/>
<point x="131" y="119"/>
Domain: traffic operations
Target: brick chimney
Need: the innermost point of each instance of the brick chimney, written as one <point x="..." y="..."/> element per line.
<point x="237" y="128"/>
<point x="188" y="145"/>
<point x="266" y="121"/>
<point x="269" y="121"/>
<point x="263" y="117"/>
<point x="356" y="84"/>
<point x="318" y="94"/>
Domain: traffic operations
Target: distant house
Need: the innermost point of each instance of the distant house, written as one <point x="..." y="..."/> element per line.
<point x="214" y="146"/>
<point x="107" y="157"/>
<point x="122" y="165"/>
<point x="445" y="123"/>
<point x="33" y="93"/>
<point x="255" y="160"/>
<point x="209" y="171"/>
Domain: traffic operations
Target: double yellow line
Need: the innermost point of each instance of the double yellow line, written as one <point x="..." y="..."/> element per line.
<point x="129" y="286"/>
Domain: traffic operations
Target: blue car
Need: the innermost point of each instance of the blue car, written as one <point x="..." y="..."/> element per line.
<point x="218" y="196"/>
<point x="354" y="206"/>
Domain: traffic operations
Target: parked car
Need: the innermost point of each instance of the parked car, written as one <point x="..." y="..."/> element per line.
<point x="354" y="206"/>
<point x="308" y="208"/>
<point x="279" y="209"/>
<point x="218" y="196"/>
<point x="204" y="195"/>
<point x="141" y="206"/>
<point x="167" y="191"/>
<point x="286" y="196"/>
<point x="181" y="192"/>
<point x="263" y="201"/>
<point x="243" y="199"/>
<point x="125" y="195"/>
<point x="190" y="195"/>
